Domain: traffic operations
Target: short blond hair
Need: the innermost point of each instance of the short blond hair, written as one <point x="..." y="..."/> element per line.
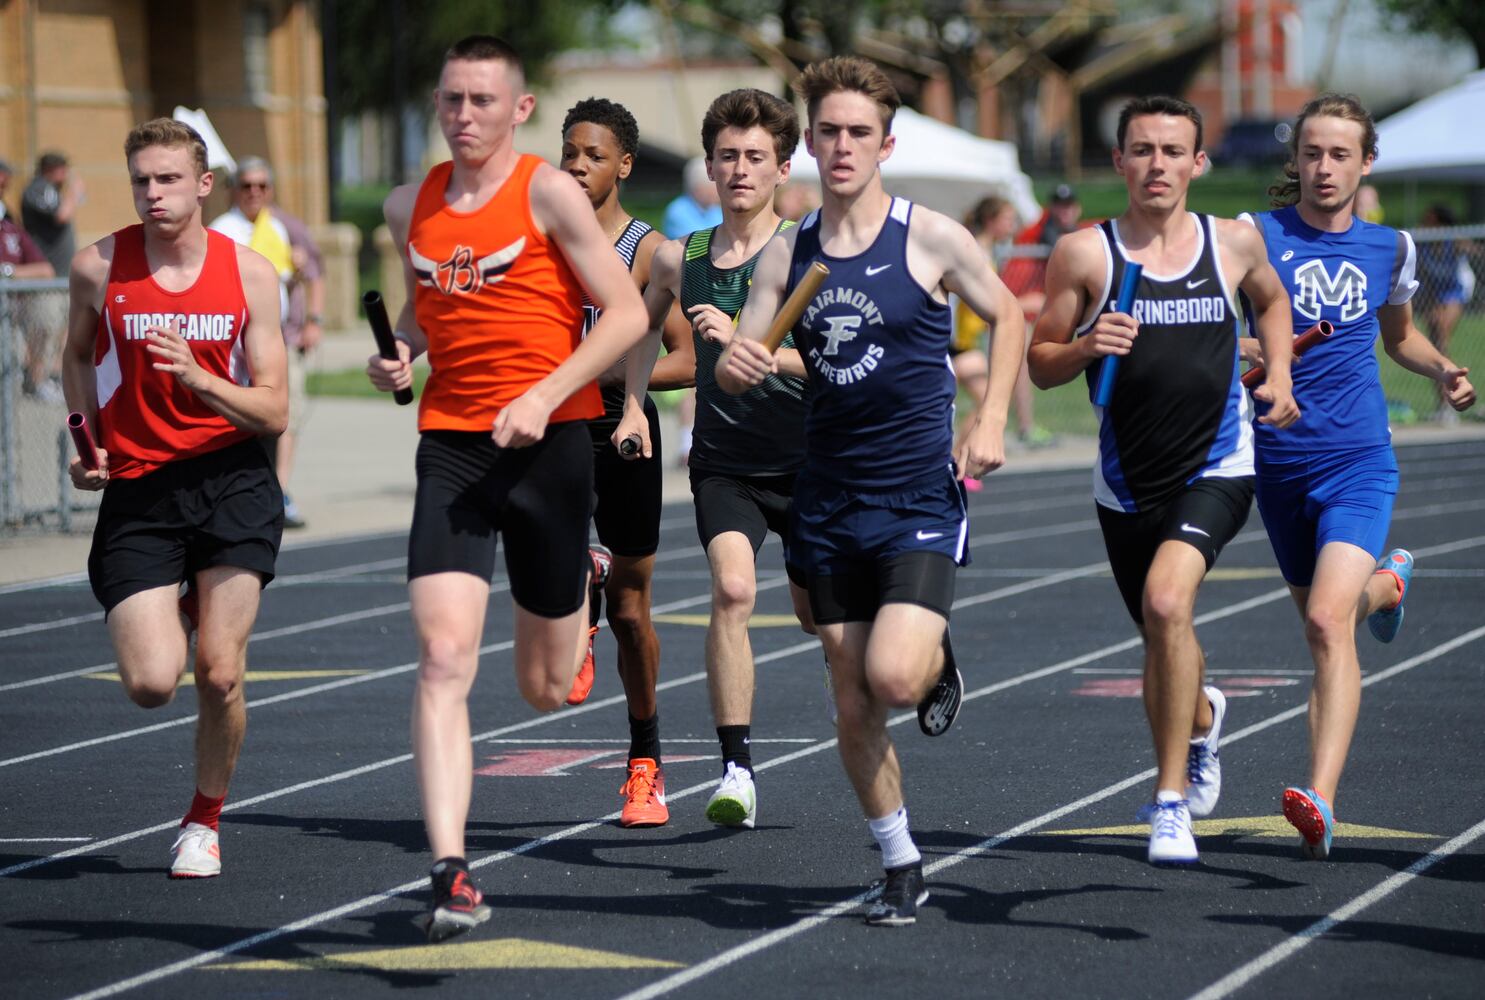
<point x="171" y="134"/>
<point x="840" y="74"/>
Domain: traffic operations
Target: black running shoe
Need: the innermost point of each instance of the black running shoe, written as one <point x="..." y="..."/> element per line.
<point x="457" y="905"/>
<point x="902" y="893"/>
<point x="940" y="707"/>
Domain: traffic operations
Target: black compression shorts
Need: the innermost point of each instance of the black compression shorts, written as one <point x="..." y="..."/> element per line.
<point x="1205" y="515"/>
<point x="753" y="505"/>
<point x="537" y="497"/>
<point x="627" y="492"/>
<point x="223" y="508"/>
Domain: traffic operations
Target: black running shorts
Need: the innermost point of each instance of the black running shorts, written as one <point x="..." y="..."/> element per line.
<point x="753" y="505"/>
<point x="223" y="508"/>
<point x="537" y="497"/>
<point x="1205" y="515"/>
<point x="626" y="492"/>
<point x="924" y="578"/>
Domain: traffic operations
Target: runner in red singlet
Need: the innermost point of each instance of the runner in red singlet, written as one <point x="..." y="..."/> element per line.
<point x="174" y="355"/>
<point x="498" y="250"/>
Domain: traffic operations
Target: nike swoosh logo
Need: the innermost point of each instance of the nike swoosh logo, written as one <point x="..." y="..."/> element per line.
<point x="1195" y="284"/>
<point x="876" y="270"/>
<point x="928" y="536"/>
<point x="722" y="414"/>
<point x="1186" y="526"/>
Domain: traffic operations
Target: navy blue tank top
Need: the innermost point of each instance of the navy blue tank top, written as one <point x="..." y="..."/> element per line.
<point x="876" y="347"/>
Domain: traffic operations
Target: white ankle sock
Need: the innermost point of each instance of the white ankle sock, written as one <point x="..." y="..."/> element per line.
<point x="893" y="837"/>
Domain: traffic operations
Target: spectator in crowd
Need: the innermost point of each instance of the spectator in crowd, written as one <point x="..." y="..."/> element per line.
<point x="1369" y="204"/>
<point x="20" y="257"/>
<point x="795" y="201"/>
<point x="696" y="207"/>
<point x="48" y="206"/>
<point x="1446" y="284"/>
<point x="254" y="220"/>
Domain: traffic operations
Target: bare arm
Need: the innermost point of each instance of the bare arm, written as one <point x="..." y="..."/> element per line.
<point x="387" y="375"/>
<point x="1260" y="282"/>
<point x="677" y="369"/>
<point x="85" y="284"/>
<point x="1407" y="345"/>
<point x="967" y="274"/>
<point x="561" y="208"/>
<point x="1055" y="357"/>
<point x="745" y="362"/>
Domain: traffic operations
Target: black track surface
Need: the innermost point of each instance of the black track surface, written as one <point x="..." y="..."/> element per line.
<point x="325" y="857"/>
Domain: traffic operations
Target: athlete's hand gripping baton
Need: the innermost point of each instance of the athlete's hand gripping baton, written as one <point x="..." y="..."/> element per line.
<point x="629" y="447"/>
<point x="1253" y="377"/>
<point x="1103" y="391"/>
<point x="386" y="344"/>
<point x="794" y="305"/>
<point x="82" y="438"/>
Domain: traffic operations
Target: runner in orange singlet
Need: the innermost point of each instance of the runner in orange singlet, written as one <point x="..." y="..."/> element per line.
<point x="174" y="355"/>
<point x="497" y="250"/>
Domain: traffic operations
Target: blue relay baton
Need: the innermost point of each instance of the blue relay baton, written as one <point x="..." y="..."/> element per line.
<point x="1103" y="392"/>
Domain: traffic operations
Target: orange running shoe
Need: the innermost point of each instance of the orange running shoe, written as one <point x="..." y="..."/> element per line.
<point x="582" y="684"/>
<point x="644" y="795"/>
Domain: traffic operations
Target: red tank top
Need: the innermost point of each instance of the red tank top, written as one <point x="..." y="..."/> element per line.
<point x="146" y="418"/>
<point x="498" y="303"/>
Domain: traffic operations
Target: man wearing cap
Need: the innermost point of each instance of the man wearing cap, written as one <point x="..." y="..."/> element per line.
<point x="48" y="206"/>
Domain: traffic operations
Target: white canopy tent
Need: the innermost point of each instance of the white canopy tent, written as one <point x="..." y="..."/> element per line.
<point x="1439" y="138"/>
<point x="942" y="167"/>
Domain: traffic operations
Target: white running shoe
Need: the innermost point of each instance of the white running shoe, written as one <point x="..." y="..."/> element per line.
<point x="1171" y="841"/>
<point x="1203" y="764"/>
<point x="735" y="802"/>
<point x="197" y="853"/>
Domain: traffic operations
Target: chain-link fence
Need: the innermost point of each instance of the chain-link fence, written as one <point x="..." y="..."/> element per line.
<point x="35" y="491"/>
<point x="1448" y="307"/>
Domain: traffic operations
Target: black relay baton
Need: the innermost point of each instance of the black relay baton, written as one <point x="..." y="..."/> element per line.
<point x="386" y="344"/>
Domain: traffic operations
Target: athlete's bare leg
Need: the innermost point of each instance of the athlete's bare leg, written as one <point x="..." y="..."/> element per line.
<point x="228" y="599"/>
<point x="729" y="651"/>
<point x="1173" y="660"/>
<point x="628" y="594"/>
<point x="150" y="643"/>
<point x="548" y="653"/>
<point x="448" y="611"/>
<point x="1344" y="590"/>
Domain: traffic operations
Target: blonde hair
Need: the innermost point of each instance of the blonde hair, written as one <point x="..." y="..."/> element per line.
<point x="848" y="74"/>
<point x="1344" y="106"/>
<point x="171" y="134"/>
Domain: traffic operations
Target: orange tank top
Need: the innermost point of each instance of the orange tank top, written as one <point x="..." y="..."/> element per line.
<point x="497" y="301"/>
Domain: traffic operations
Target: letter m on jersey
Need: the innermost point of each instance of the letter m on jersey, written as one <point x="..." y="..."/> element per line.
<point x="1314" y="288"/>
<point x="841" y="328"/>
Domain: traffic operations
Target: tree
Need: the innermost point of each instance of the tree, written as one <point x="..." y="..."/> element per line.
<point x="1446" y="18"/>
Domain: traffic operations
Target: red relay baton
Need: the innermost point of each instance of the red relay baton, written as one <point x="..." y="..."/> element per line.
<point x="82" y="438"/>
<point x="1253" y="377"/>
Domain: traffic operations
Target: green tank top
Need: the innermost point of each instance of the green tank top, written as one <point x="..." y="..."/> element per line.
<point x="761" y="432"/>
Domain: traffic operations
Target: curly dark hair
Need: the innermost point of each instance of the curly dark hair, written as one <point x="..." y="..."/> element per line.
<point x="614" y="117"/>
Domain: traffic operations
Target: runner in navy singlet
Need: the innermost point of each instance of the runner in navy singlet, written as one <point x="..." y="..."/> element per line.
<point x="1174" y="477"/>
<point x="879" y="522"/>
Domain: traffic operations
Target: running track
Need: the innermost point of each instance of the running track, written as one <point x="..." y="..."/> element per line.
<point x="1037" y="889"/>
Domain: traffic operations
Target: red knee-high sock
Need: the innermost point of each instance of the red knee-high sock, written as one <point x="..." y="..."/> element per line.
<point x="204" y="810"/>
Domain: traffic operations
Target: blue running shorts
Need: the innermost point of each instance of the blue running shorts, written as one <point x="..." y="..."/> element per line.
<point x="1307" y="503"/>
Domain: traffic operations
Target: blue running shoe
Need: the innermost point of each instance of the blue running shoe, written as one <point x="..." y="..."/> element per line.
<point x="1309" y="813"/>
<point x="1385" y="623"/>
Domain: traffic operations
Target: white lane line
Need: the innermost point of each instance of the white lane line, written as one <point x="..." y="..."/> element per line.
<point x="748" y="948"/>
<point x="51" y="840"/>
<point x="1244" y="974"/>
<point x="305" y="692"/>
<point x="780" y="935"/>
<point x="93" y="616"/>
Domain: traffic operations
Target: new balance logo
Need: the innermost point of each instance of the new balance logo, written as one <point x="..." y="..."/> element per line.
<point x="1188" y="526"/>
<point x="870" y="271"/>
